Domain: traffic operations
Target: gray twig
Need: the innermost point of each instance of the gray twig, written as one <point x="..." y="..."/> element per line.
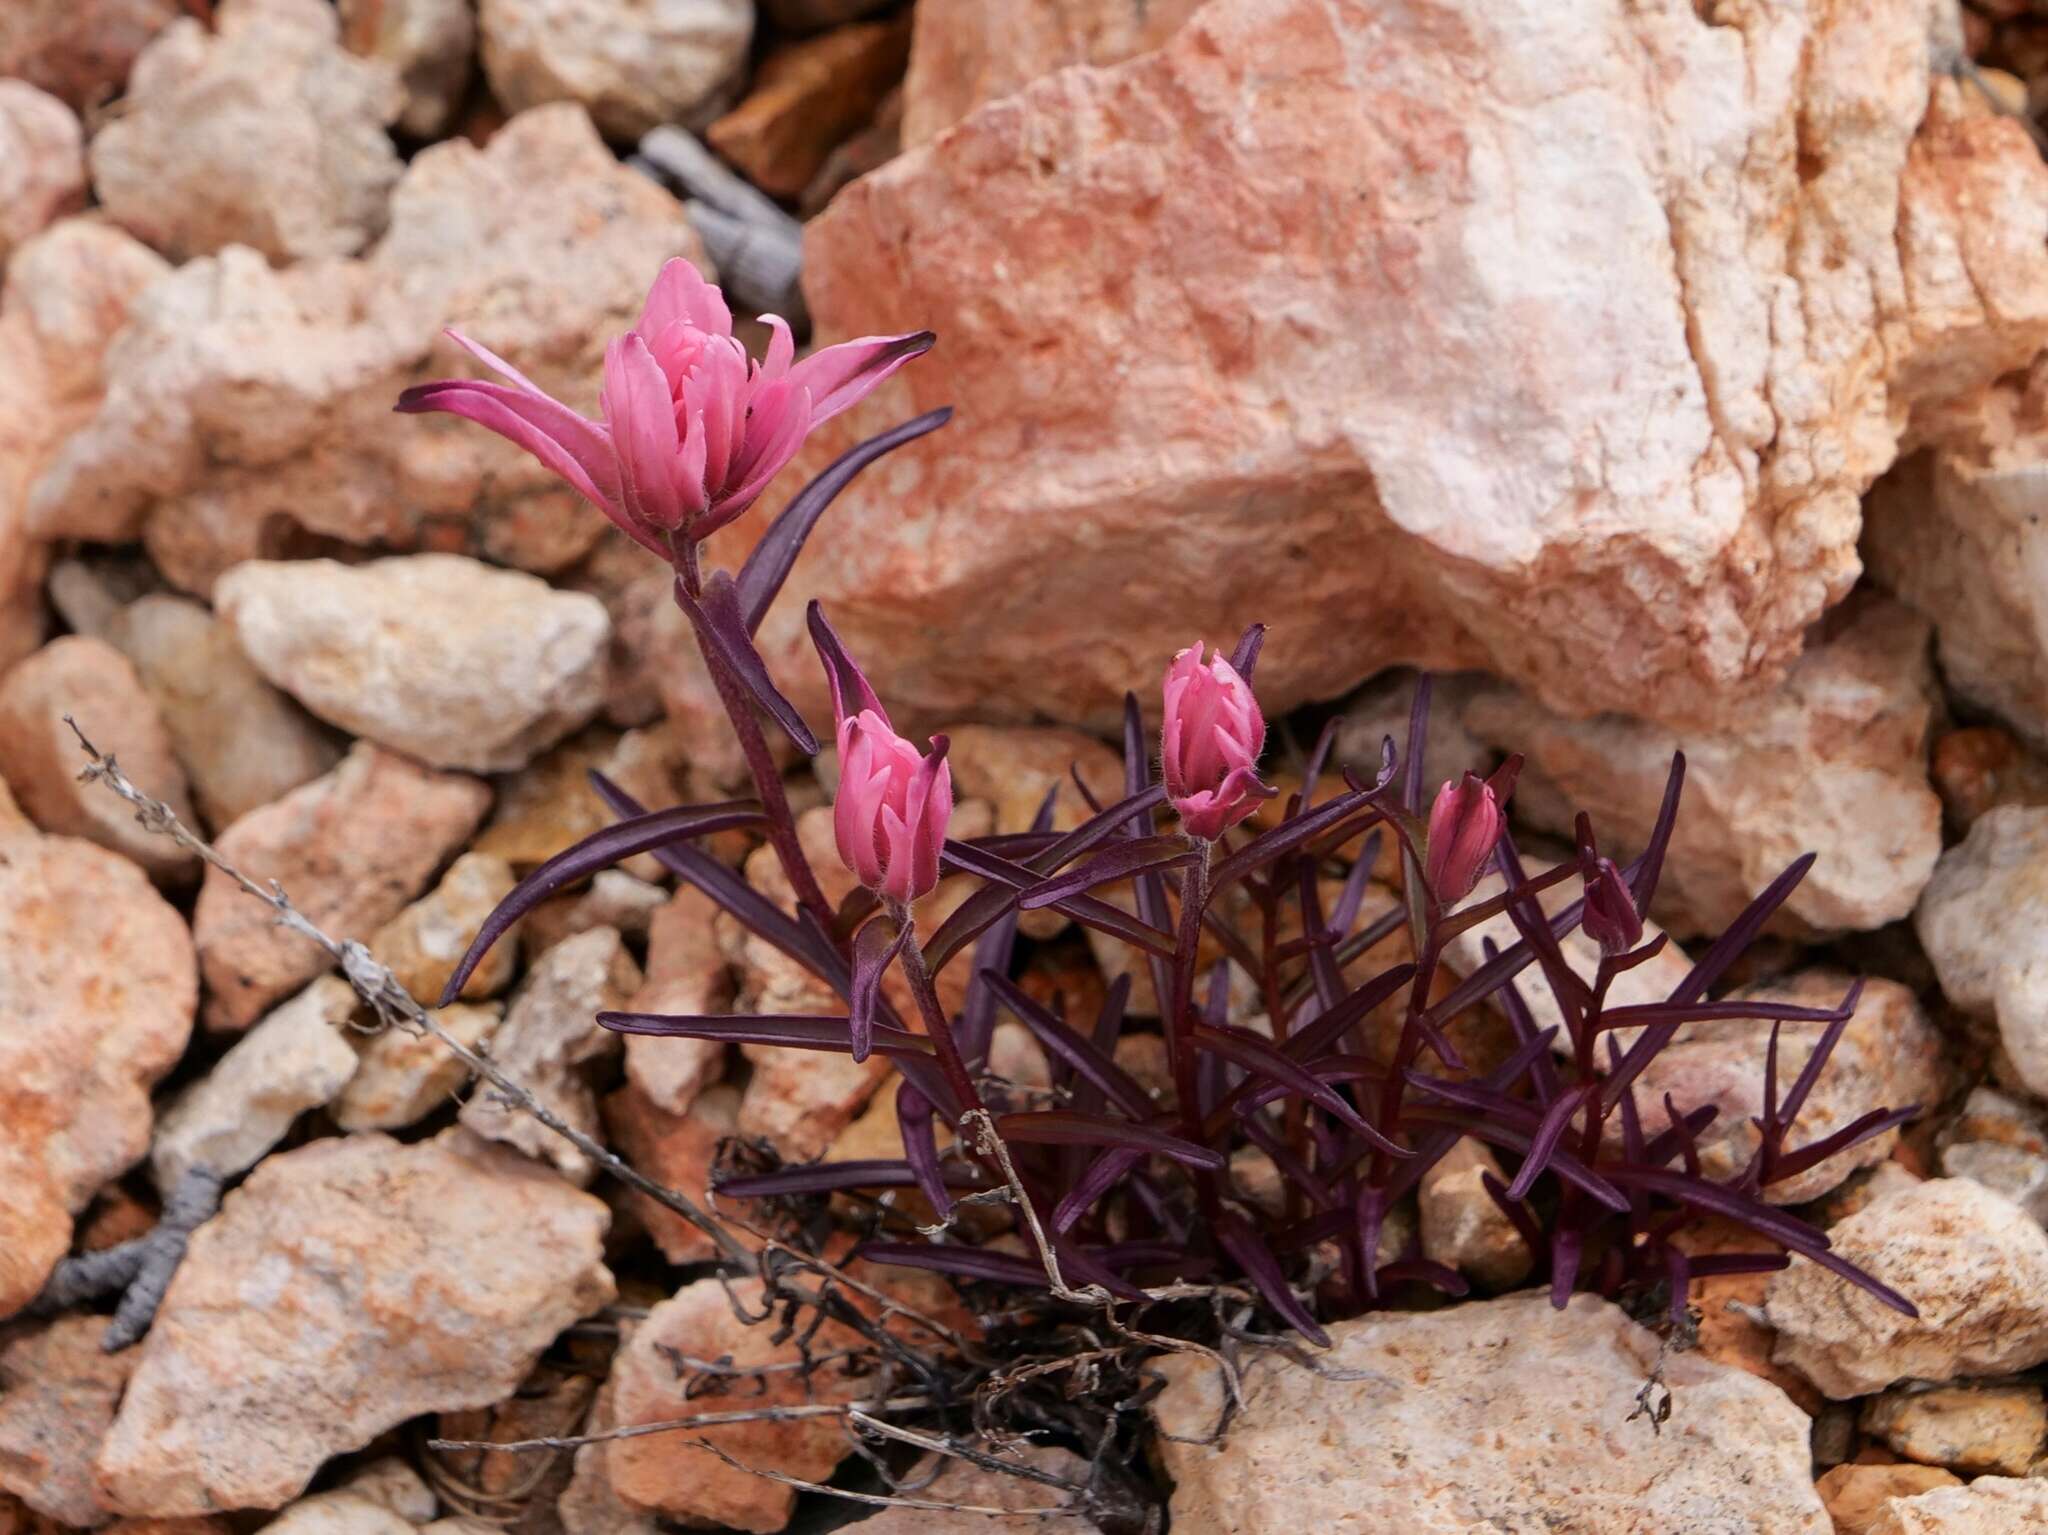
<point x="141" y="1268"/>
<point x="789" y="1414"/>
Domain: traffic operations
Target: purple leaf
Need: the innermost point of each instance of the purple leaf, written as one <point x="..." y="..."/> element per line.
<point x="874" y="946"/>
<point x="1236" y="1237"/>
<point x="1103" y="1174"/>
<point x="1055" y="1127"/>
<point x="1246" y="655"/>
<point x="1650" y="867"/>
<point x="1085" y="909"/>
<point x="600" y="850"/>
<point x="1809" y="1074"/>
<point x="1145" y="855"/>
<point x="1081" y="1054"/>
<point x="962" y="1262"/>
<point x="1259" y="1057"/>
<point x="1875" y="1123"/>
<point x="797" y="1031"/>
<point x="723" y="632"/>
<point x="1289" y="835"/>
<point x="1557" y="1119"/>
<point x="1423" y="1271"/>
<point x="775" y="555"/>
<point x="921" y="1146"/>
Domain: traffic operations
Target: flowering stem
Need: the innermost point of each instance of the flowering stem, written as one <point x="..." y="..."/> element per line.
<point x="919" y="975"/>
<point x="1194" y="898"/>
<point x="767" y="777"/>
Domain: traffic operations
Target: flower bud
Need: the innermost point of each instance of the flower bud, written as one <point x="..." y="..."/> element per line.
<point x="1464" y="824"/>
<point x="1611" y="919"/>
<point x="1210" y="744"/>
<point x="892" y="809"/>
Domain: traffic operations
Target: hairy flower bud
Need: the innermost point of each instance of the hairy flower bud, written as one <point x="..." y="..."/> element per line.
<point x="1210" y="744"/>
<point x="1464" y="824"/>
<point x="1611" y="919"/>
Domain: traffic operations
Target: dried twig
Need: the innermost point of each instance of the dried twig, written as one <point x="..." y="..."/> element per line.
<point x="881" y="1500"/>
<point x="140" y="1268"/>
<point x="788" y="1414"/>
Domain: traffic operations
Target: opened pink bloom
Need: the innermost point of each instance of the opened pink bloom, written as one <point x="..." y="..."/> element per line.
<point x="1210" y="744"/>
<point x="693" y="430"/>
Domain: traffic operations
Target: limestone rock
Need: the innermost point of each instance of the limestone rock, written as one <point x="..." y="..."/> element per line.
<point x="2002" y="1143"/>
<point x="42" y="162"/>
<point x="262" y="132"/>
<point x="1833" y="760"/>
<point x="1888" y="1057"/>
<point x="1401" y="446"/>
<point x="634" y="64"/>
<point x="550" y="1031"/>
<point x="1462" y="1228"/>
<point x="403" y="1077"/>
<point x="58" y="1389"/>
<point x="40" y="755"/>
<point x="1856" y="1495"/>
<point x="972" y="51"/>
<point x="350" y="849"/>
<point x="393" y="1484"/>
<point x="79" y="51"/>
<point x="688" y="1483"/>
<point x="250" y="409"/>
<point x="241" y="742"/>
<point x="1970" y="1429"/>
<point x="686" y="973"/>
<point x="1991" y="1505"/>
<point x="1981" y="922"/>
<point x="1496" y="1413"/>
<point x="98" y="986"/>
<point x="340" y="1512"/>
<point x="298" y="1058"/>
<point x="958" y="1481"/>
<point x="67" y="293"/>
<point x="676" y="1150"/>
<point x="432" y="45"/>
<point x="550" y="804"/>
<point x="807" y="97"/>
<point x="613" y="898"/>
<point x="422" y="944"/>
<point x="345" y="1287"/>
<point x="1982" y="767"/>
<point x="1973" y="1262"/>
<point x="435" y="655"/>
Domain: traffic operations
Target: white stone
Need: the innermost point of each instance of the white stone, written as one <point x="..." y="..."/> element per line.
<point x="435" y="655"/>
<point x="42" y="162"/>
<point x="1984" y="923"/>
<point x="634" y="63"/>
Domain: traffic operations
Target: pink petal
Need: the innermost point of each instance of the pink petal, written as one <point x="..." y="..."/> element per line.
<point x="680" y="294"/>
<point x="842" y="376"/>
<point x="642" y="420"/>
<point x="781" y="420"/>
<point x="493" y="361"/>
<point x="781" y="347"/>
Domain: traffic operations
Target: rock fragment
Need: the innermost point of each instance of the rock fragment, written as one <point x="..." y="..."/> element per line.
<point x="1983" y="920"/>
<point x="58" y="1391"/>
<point x="42" y="162"/>
<point x="634" y="65"/>
<point x="432" y="46"/>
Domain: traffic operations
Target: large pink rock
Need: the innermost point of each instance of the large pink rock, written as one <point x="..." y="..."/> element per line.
<point x="1418" y="340"/>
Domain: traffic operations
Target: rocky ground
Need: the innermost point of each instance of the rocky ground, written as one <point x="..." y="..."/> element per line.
<point x="1323" y="312"/>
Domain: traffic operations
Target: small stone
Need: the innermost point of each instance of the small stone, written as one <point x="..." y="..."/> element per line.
<point x="1984" y="767"/>
<point x="677" y="1151"/>
<point x="436" y="655"/>
<point x="40" y="755"/>
<point x="1856" y="1495"/>
<point x="808" y="97"/>
<point x="241" y="742"/>
<point x="684" y="1481"/>
<point x="388" y="1281"/>
<point x="432" y="46"/>
<point x="1983" y="921"/>
<point x="298" y="1058"/>
<point x="1834" y="759"/>
<point x="550" y="804"/>
<point x="686" y="974"/>
<point x="635" y="589"/>
<point x="945" y="1480"/>
<point x="403" y="1077"/>
<point x="98" y="987"/>
<point x="2002" y="1143"/>
<point x="340" y="1512"/>
<point x="588" y="1505"/>
<point x="422" y="944"/>
<point x="1889" y="1057"/>
<point x="350" y="849"/>
<point x="1462" y="1228"/>
<point x="614" y="898"/>
<point x="1500" y="1414"/>
<point x="79" y="51"/>
<point x="1969" y="1429"/>
<point x="551" y="1030"/>
<point x="1014" y="767"/>
<point x="42" y="162"/>
<point x="261" y="132"/>
<point x="1974" y="1263"/>
<point x="634" y="65"/>
<point x="58" y="1390"/>
<point x="1990" y="1505"/>
<point x="394" y="1484"/>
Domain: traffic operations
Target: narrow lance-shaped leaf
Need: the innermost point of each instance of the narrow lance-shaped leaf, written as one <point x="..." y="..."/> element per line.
<point x="1556" y="1120"/>
<point x="1103" y="1174"/>
<point x="1145" y="855"/>
<point x="921" y="1147"/>
<point x="1054" y="1127"/>
<point x="1237" y="1238"/>
<point x="874" y="946"/>
<point x="761" y="578"/>
<point x="833" y="1177"/>
<point x="1079" y="1053"/>
<point x="600" y="850"/>
<point x="722" y="630"/>
<point x="1258" y="1056"/>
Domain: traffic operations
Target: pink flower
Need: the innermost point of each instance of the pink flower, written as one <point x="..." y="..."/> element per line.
<point x="1464" y="824"/>
<point x="692" y="431"/>
<point x="1210" y="744"/>
<point x="893" y="806"/>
